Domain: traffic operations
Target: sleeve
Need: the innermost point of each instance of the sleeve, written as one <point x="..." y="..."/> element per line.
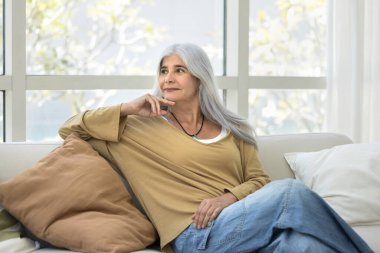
<point x="253" y="172"/>
<point x="97" y="126"/>
<point x="103" y="123"/>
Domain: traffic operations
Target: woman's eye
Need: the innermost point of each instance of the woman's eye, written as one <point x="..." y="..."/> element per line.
<point x="180" y="70"/>
<point x="163" y="71"/>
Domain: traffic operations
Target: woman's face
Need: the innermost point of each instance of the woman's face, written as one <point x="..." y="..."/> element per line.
<point x="176" y="82"/>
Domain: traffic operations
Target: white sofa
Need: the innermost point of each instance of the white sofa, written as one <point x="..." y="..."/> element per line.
<point x="16" y="157"/>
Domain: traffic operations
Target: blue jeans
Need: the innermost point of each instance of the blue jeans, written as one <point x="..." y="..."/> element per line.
<point x="283" y="216"/>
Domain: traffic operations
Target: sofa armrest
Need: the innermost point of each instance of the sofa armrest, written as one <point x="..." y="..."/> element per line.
<point x="18" y="156"/>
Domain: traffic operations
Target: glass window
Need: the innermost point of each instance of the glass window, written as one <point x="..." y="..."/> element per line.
<point x="1" y="38"/>
<point x="286" y="111"/>
<point x="288" y="38"/>
<point x="47" y="110"/>
<point x="97" y="37"/>
<point x="2" y="116"/>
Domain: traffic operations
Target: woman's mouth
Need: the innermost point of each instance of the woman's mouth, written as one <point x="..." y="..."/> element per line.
<point x="170" y="90"/>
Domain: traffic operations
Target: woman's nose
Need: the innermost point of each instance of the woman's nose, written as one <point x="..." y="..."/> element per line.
<point x="169" y="77"/>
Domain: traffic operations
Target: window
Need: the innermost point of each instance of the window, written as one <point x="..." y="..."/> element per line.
<point x="43" y="121"/>
<point x="97" y="39"/>
<point x="269" y="58"/>
<point x="288" y="38"/>
<point x="1" y="39"/>
<point x="288" y="41"/>
<point x="1" y="116"/>
<point x="94" y="37"/>
<point x="2" y="121"/>
<point x="286" y="111"/>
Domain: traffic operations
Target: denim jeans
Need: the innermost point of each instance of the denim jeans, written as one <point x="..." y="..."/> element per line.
<point x="283" y="216"/>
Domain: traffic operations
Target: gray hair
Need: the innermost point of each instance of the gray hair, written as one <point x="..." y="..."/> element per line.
<point x="198" y="64"/>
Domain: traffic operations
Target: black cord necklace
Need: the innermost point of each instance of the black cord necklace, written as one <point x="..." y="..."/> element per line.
<point x="192" y="135"/>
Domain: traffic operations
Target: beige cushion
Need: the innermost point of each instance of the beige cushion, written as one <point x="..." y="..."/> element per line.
<point x="72" y="198"/>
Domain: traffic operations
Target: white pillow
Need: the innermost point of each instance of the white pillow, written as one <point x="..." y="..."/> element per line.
<point x="18" y="245"/>
<point x="346" y="176"/>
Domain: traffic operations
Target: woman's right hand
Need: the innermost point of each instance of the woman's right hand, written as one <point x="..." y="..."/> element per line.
<point x="146" y="106"/>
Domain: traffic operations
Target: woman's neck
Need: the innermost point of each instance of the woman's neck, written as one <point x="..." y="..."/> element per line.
<point x="187" y="113"/>
<point x="188" y="119"/>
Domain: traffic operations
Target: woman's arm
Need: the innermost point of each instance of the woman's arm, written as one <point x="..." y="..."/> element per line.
<point x="146" y="106"/>
<point x="108" y="123"/>
<point x="254" y="179"/>
<point x="254" y="175"/>
<point x="103" y="123"/>
<point x="97" y="127"/>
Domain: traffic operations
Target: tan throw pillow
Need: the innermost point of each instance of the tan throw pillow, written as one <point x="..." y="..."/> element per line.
<point x="73" y="199"/>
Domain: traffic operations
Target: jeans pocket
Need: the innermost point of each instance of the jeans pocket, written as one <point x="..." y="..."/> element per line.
<point x="203" y="236"/>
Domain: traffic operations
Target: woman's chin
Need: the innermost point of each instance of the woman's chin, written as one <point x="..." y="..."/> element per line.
<point x="171" y="98"/>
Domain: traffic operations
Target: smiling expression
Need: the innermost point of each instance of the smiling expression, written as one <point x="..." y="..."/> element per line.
<point x="176" y="82"/>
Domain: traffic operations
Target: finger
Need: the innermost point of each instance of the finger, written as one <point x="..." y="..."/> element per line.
<point x="215" y="213"/>
<point x="203" y="216"/>
<point x="164" y="106"/>
<point x="157" y="106"/>
<point x="207" y="217"/>
<point x="197" y="216"/>
<point x="164" y="101"/>
<point x="156" y="103"/>
<point x="153" y="105"/>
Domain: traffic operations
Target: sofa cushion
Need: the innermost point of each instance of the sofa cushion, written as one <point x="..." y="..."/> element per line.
<point x="346" y="176"/>
<point x="73" y="199"/>
<point x="9" y="226"/>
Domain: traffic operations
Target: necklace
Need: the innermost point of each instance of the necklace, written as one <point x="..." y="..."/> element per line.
<point x="192" y="135"/>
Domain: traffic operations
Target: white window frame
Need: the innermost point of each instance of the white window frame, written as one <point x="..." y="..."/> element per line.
<point x="236" y="81"/>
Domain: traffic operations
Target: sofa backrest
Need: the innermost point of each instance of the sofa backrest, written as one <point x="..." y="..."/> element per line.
<point x="15" y="157"/>
<point x="273" y="147"/>
<point x="18" y="156"/>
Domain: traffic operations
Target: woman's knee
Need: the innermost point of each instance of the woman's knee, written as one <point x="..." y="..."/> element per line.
<point x="289" y="185"/>
<point x="293" y="241"/>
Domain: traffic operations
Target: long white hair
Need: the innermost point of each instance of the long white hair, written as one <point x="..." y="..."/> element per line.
<point x="198" y="64"/>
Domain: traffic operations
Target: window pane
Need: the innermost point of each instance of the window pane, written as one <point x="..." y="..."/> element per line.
<point x="288" y="38"/>
<point x="286" y="111"/>
<point x="97" y="37"/>
<point x="1" y="39"/>
<point x="2" y="116"/>
<point x="43" y="121"/>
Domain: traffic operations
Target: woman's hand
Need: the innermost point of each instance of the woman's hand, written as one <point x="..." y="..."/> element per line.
<point x="209" y="209"/>
<point x="147" y="106"/>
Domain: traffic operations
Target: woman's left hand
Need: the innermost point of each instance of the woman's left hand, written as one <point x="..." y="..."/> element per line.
<point x="209" y="209"/>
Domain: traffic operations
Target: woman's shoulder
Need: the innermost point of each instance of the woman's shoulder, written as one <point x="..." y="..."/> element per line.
<point x="244" y="146"/>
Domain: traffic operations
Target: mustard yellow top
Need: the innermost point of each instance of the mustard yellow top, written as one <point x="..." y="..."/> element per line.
<point x="169" y="172"/>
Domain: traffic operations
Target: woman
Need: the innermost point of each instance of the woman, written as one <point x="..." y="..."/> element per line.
<point x="194" y="167"/>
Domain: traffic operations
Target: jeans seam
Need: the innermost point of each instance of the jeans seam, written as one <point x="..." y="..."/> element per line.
<point x="239" y="228"/>
<point x="285" y="205"/>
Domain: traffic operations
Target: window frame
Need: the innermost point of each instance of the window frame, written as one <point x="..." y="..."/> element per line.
<point x="236" y="80"/>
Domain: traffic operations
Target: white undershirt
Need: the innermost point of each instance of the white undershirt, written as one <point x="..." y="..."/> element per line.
<point x="220" y="136"/>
